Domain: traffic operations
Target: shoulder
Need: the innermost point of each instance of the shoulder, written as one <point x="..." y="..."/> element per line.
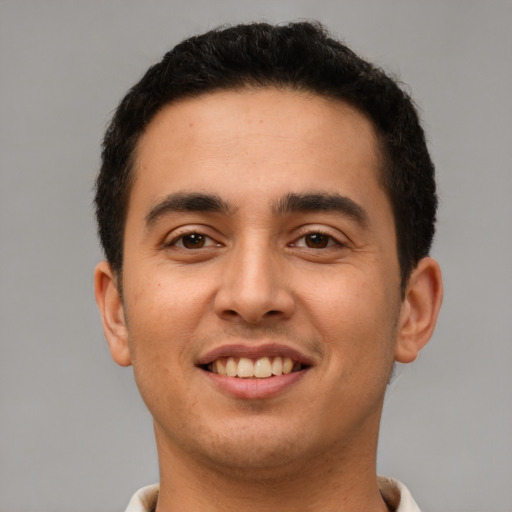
<point x="144" y="500"/>
<point x="396" y="495"/>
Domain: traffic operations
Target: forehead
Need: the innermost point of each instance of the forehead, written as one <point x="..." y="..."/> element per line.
<point x="252" y="138"/>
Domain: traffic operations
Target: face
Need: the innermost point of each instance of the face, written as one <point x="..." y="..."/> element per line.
<point x="261" y="285"/>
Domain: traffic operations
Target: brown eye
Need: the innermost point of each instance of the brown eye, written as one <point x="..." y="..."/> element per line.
<point x="316" y="241"/>
<point x="193" y="241"/>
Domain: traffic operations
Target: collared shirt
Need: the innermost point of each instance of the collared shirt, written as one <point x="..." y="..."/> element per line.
<point x="395" y="494"/>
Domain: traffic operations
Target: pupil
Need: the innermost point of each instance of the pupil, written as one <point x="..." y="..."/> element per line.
<point x="193" y="241"/>
<point x="317" y="240"/>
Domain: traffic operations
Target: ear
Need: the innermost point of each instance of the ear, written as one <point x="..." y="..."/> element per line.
<point x="111" y="309"/>
<point x="419" y="310"/>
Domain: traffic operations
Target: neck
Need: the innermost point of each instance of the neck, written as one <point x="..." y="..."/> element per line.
<point x="342" y="480"/>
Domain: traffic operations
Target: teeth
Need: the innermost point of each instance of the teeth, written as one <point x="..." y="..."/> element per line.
<point x="231" y="368"/>
<point x="245" y="368"/>
<point x="287" y="365"/>
<point x="277" y="366"/>
<point x="261" y="368"/>
<point x="221" y="368"/>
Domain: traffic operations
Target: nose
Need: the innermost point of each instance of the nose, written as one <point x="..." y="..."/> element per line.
<point x="254" y="287"/>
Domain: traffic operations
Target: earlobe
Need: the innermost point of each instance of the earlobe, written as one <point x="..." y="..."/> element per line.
<point x="111" y="309"/>
<point x="419" y="311"/>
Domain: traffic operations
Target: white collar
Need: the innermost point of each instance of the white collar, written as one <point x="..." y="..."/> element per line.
<point x="394" y="492"/>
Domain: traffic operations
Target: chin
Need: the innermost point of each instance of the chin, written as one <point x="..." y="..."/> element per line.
<point x="249" y="445"/>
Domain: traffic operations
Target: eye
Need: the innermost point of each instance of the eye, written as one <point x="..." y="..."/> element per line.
<point x="316" y="240"/>
<point x="193" y="241"/>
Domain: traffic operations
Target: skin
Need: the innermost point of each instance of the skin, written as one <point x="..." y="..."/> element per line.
<point x="261" y="276"/>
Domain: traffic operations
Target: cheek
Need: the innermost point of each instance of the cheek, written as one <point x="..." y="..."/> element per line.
<point x="162" y="317"/>
<point x="357" y="315"/>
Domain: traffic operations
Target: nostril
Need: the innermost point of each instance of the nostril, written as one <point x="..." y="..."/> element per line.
<point x="253" y="304"/>
<point x="232" y="312"/>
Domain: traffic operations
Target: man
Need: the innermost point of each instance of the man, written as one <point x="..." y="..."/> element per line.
<point x="266" y="203"/>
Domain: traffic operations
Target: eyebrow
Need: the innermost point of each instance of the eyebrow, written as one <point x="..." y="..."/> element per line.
<point x="186" y="202"/>
<point x="291" y="203"/>
<point x="321" y="202"/>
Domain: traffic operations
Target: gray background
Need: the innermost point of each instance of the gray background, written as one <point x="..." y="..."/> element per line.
<point x="74" y="435"/>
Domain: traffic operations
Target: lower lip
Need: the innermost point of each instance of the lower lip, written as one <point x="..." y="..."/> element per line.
<point x="253" y="388"/>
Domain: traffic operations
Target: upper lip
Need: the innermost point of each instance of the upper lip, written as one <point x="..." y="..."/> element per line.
<point x="254" y="352"/>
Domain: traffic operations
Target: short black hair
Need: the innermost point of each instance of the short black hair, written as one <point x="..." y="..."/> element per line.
<point x="300" y="56"/>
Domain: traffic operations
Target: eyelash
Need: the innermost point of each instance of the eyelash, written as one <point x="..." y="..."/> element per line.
<point x="179" y="241"/>
<point x="331" y="240"/>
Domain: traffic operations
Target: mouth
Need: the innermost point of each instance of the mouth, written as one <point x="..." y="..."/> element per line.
<point x="254" y="372"/>
<point x="264" y="367"/>
<point x="240" y="361"/>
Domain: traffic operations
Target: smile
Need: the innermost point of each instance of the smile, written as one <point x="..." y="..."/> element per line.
<point x="254" y="371"/>
<point x="259" y="368"/>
